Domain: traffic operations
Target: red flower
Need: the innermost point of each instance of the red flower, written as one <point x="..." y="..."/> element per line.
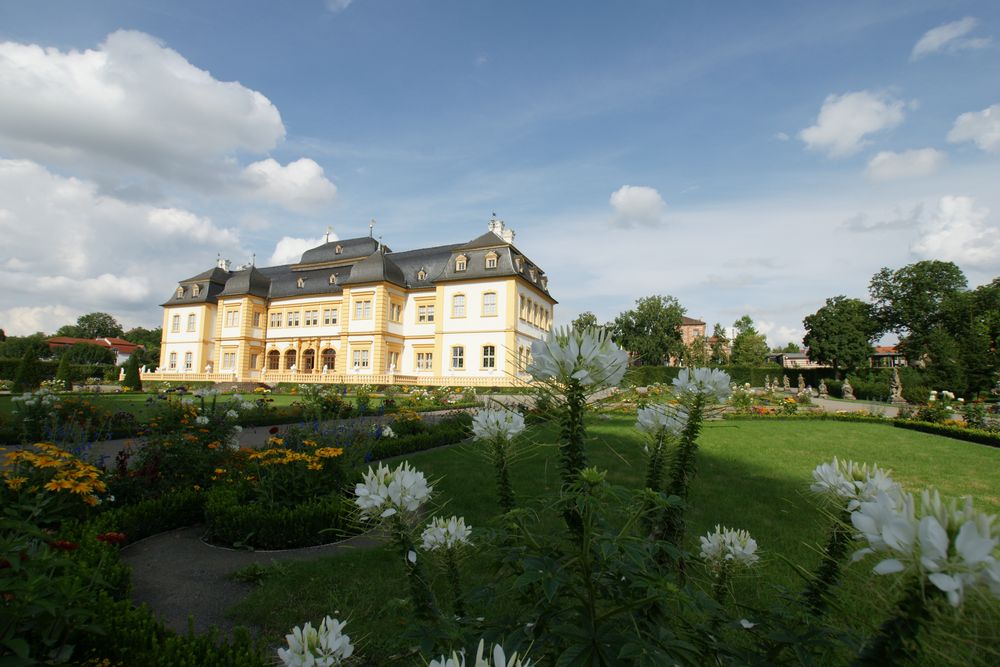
<point x="272" y="430"/>
<point x="64" y="545"/>
<point x="111" y="538"/>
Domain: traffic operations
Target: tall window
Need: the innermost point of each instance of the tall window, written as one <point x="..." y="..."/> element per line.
<point x="253" y="361"/>
<point x="195" y="290"/>
<point x="289" y="359"/>
<point x="312" y="317"/>
<point x="360" y="358"/>
<point x="293" y="318"/>
<point x="329" y="316"/>
<point x="425" y="360"/>
<point x="188" y="361"/>
<point x="173" y="360"/>
<point x="229" y="361"/>
<point x="180" y="292"/>
<point x="232" y="318"/>
<point x="490" y="303"/>
<point x="308" y="360"/>
<point x="329" y="358"/>
<point x="175" y="324"/>
<point x="458" y="305"/>
<point x="489" y="356"/>
<point x="256" y="318"/>
<point x="425" y="313"/>
<point x="363" y="309"/>
<point x="395" y="312"/>
<point x="458" y="357"/>
<point x="191" y="321"/>
<point x="393" y="361"/>
<point x="275" y="319"/>
<point x="273" y="360"/>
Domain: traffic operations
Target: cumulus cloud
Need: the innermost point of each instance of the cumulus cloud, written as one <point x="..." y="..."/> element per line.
<point x="76" y="250"/>
<point x="779" y="335"/>
<point x="899" y="219"/>
<point x="338" y="5"/>
<point x="960" y="232"/>
<point x="300" y="185"/>
<point x="289" y="249"/>
<point x="845" y="121"/>
<point x="637" y="206"/>
<point x="132" y="101"/>
<point x="979" y="127"/>
<point x="949" y="38"/>
<point x="26" y="320"/>
<point x="890" y="166"/>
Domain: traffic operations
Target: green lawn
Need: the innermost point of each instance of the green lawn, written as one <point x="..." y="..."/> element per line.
<point x="752" y="474"/>
<point x="137" y="403"/>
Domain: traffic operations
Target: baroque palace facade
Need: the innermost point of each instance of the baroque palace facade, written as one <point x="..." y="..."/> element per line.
<point x="355" y="311"/>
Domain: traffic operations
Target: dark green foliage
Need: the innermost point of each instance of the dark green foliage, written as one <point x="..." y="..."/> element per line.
<point x="841" y="333"/>
<point x="651" y="331"/>
<point x="990" y="438"/>
<point x="132" y="380"/>
<point x="232" y="520"/>
<point x="47" y="370"/>
<point x="572" y="432"/>
<point x="28" y="374"/>
<point x="585" y="320"/>
<point x="98" y="325"/>
<point x="909" y="299"/>
<point x="14" y="347"/>
<point x="749" y="346"/>
<point x="446" y="432"/>
<point x="720" y="344"/>
<point x="150" y="339"/>
<point x="86" y="353"/>
<point x="65" y="374"/>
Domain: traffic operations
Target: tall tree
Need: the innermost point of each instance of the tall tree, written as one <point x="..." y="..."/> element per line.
<point x="749" y="346"/>
<point x="87" y="353"/>
<point x="792" y="346"/>
<point x="841" y="333"/>
<point x="14" y="347"/>
<point x="720" y="345"/>
<point x="584" y="320"/>
<point x="651" y="331"/>
<point x="98" y="325"/>
<point x="150" y="341"/>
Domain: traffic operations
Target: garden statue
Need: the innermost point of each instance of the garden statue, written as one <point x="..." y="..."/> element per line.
<point x="293" y="368"/>
<point x="785" y="383"/>
<point x="823" y="392"/>
<point x="896" y="388"/>
<point x="802" y="383"/>
<point x="848" y="390"/>
<point x="767" y="382"/>
<point x="326" y="368"/>
<point x="208" y="368"/>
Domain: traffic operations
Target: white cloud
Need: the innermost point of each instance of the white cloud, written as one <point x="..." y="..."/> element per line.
<point x="637" y="205"/>
<point x="131" y="102"/>
<point x="75" y="250"/>
<point x="898" y="219"/>
<point x="960" y="232"/>
<point x="338" y="5"/>
<point x="782" y="136"/>
<point x="890" y="166"/>
<point x="845" y="121"/>
<point x="980" y="127"/>
<point x="779" y="335"/>
<point x="26" y="320"/>
<point x="299" y="185"/>
<point x="949" y="38"/>
<point x="289" y="249"/>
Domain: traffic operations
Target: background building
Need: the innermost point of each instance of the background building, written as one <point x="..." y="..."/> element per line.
<point x="355" y="311"/>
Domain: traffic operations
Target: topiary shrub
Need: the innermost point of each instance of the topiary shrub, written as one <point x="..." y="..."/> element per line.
<point x="132" y="380"/>
<point x="28" y="375"/>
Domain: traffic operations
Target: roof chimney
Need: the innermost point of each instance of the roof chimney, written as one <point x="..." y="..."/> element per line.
<point x="500" y="229"/>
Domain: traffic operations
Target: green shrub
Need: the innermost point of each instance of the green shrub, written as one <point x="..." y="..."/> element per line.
<point x="959" y="433"/>
<point x="132" y="381"/>
<point x="64" y="374"/>
<point x="446" y="432"/>
<point x="231" y="520"/>
<point x="28" y="374"/>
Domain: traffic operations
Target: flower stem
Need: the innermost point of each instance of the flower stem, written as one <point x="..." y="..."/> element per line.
<point x="828" y="571"/>
<point x="420" y="591"/>
<point x="895" y="642"/>
<point x="682" y="469"/>
<point x="505" y="489"/>
<point x="572" y="454"/>
<point x="455" y="582"/>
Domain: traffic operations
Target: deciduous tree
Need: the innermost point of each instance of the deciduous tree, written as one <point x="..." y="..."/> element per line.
<point x="841" y="333"/>
<point x="651" y="331"/>
<point x="749" y="346"/>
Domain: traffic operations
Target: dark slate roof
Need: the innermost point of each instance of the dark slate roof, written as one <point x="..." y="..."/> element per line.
<point x="431" y="260"/>
<point x="376" y="268"/>
<point x="285" y="281"/>
<point x="487" y="240"/>
<point x="350" y="249"/>
<point x="210" y="284"/>
<point x="247" y="281"/>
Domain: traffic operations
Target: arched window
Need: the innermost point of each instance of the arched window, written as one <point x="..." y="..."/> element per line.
<point x="461" y="262"/>
<point x="195" y="290"/>
<point x="309" y="360"/>
<point x="491" y="260"/>
<point x="273" y="360"/>
<point x="180" y="292"/>
<point x="421" y="275"/>
<point x="333" y="278"/>
<point x="289" y="359"/>
<point x="339" y="249"/>
<point x="329" y="358"/>
<point x="300" y="283"/>
<point x="458" y="305"/>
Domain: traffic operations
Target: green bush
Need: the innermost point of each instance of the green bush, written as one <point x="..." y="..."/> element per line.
<point x="446" y="432"/>
<point x="231" y="520"/>
<point x="47" y="369"/>
<point x="968" y="434"/>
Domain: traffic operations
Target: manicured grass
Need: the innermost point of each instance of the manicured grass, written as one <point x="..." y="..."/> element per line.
<point x="137" y="403"/>
<point x="752" y="475"/>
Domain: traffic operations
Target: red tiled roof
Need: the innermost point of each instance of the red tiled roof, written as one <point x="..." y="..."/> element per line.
<point x="689" y="321"/>
<point x="886" y="349"/>
<point x="117" y="344"/>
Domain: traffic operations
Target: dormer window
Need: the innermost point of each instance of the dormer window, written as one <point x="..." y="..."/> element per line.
<point x="333" y="278"/>
<point x="300" y="283"/>
<point x="519" y="263"/>
<point x="533" y="274"/>
<point x="195" y="290"/>
<point x="180" y="293"/>
<point x="461" y="263"/>
<point x="421" y="275"/>
<point x="339" y="249"/>
<point x="491" y="260"/>
<point x="545" y="282"/>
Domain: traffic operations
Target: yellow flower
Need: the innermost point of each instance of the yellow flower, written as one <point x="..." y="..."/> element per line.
<point x="15" y="483"/>
<point x="220" y="471"/>
<point x="329" y="452"/>
<point x="315" y="466"/>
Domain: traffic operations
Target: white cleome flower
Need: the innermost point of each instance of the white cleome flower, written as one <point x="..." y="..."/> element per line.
<point x="588" y="356"/>
<point x="728" y="545"/>
<point x="710" y="382"/>
<point x="445" y="533"/>
<point x="493" y="423"/>
<point x="849" y="481"/>
<point x="499" y="658"/>
<point x="383" y="493"/>
<point x="323" y="647"/>
<point x="657" y="420"/>
<point x="202" y="420"/>
<point x="952" y="546"/>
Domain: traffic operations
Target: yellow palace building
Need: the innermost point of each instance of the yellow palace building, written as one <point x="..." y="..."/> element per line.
<point x="355" y="311"/>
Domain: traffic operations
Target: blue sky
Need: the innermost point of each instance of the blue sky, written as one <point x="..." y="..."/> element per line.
<point x="745" y="157"/>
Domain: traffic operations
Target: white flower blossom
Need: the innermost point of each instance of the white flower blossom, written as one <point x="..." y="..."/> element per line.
<point x="951" y="545"/>
<point x="387" y="432"/>
<point x="323" y="647"/>
<point x="492" y="423"/>
<point x="201" y="420"/>
<point x="445" y="533"/>
<point x="385" y="492"/>
<point x="588" y="356"/>
<point x="496" y="652"/>
<point x="232" y="414"/>
<point x="710" y="382"/>
<point x="728" y="545"/>
<point x="205" y="393"/>
<point x="657" y="419"/>
<point x="246" y="405"/>
<point x="850" y="481"/>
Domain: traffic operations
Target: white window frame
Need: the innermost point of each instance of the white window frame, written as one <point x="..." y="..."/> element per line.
<point x="175" y="324"/>
<point x="173" y="360"/>
<point x="489" y="308"/>
<point x="458" y="308"/>
<point x="489" y="362"/>
<point x="192" y="320"/>
<point x="425" y="361"/>
<point x="188" y="361"/>
<point x="458" y="357"/>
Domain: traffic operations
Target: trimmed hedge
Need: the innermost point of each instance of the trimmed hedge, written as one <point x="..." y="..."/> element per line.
<point x="448" y="431"/>
<point x="975" y="435"/>
<point x="231" y="520"/>
<point x="815" y="416"/>
<point x="48" y="368"/>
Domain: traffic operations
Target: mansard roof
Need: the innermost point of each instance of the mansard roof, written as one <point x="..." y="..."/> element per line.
<point x="210" y="284"/>
<point x="377" y="267"/>
<point x="358" y="248"/>
<point x="247" y="281"/>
